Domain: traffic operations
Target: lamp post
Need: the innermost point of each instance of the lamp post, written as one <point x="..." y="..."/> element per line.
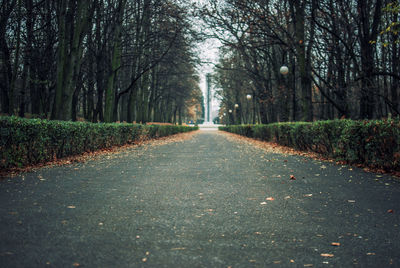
<point x="235" y="114"/>
<point x="248" y="97"/>
<point x="284" y="70"/>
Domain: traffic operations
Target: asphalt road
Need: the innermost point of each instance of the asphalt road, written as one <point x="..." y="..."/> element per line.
<point x="204" y="202"/>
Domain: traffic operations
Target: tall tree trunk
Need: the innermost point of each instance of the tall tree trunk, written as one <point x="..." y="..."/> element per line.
<point x="5" y="56"/>
<point x="368" y="31"/>
<point x="70" y="49"/>
<point x="298" y="13"/>
<point x="90" y="91"/>
<point x="395" y="87"/>
<point x="16" y="61"/>
<point x="109" y="109"/>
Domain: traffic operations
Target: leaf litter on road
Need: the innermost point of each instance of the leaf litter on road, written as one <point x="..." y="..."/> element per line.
<point x="327" y="255"/>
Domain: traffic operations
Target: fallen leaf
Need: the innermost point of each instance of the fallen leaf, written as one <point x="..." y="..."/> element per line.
<point x="308" y="265"/>
<point x="370" y="254"/>
<point x="292" y="261"/>
<point x="287" y="197"/>
<point x="144" y="259"/>
<point x="328" y="255"/>
<point x="257" y="233"/>
<point x="292" y="177"/>
<point x="307" y="195"/>
<point x="335" y="244"/>
<point x="263" y="203"/>
<point x="76" y="264"/>
<point x="71" y="207"/>
<point x="390" y="211"/>
<point x="351" y="201"/>
<point x="270" y="199"/>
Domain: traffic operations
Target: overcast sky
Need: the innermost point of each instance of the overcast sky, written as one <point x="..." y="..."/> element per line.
<point x="208" y="52"/>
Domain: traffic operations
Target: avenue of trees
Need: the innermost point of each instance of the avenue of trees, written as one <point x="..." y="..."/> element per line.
<point x="101" y="60"/>
<point x="343" y="58"/>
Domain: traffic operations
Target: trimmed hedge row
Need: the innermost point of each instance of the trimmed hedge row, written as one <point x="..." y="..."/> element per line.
<point x="32" y="141"/>
<point x="373" y="143"/>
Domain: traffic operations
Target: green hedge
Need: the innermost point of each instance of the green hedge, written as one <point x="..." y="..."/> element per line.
<point x="31" y="141"/>
<point x="373" y="143"/>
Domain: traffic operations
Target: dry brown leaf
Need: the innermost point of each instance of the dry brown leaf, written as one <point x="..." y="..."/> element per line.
<point x="328" y="255"/>
<point x="336" y="244"/>
<point x="292" y="177"/>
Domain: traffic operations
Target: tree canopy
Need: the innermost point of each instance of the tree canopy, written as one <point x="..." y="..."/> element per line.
<point x="100" y="60"/>
<point x="135" y="61"/>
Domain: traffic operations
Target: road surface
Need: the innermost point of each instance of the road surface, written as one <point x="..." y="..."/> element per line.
<point x="208" y="201"/>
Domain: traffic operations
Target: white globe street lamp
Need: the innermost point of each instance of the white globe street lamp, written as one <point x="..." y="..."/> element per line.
<point x="230" y="111"/>
<point x="284" y="70"/>
<point x="248" y="96"/>
<point x="236" y="105"/>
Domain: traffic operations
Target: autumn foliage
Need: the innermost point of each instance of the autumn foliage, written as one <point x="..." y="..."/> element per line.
<point x="31" y="141"/>
<point x="373" y="143"/>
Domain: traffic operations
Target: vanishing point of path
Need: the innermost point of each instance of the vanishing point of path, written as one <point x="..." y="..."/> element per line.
<point x="208" y="201"/>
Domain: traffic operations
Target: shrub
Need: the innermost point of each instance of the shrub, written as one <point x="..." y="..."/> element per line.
<point x="31" y="141"/>
<point x="373" y="143"/>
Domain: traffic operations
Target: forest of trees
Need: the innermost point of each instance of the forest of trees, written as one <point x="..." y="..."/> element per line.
<point x="99" y="60"/>
<point x="343" y="58"/>
<point x="133" y="60"/>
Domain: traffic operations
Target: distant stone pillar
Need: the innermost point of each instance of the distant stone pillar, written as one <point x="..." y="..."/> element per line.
<point x="209" y="99"/>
